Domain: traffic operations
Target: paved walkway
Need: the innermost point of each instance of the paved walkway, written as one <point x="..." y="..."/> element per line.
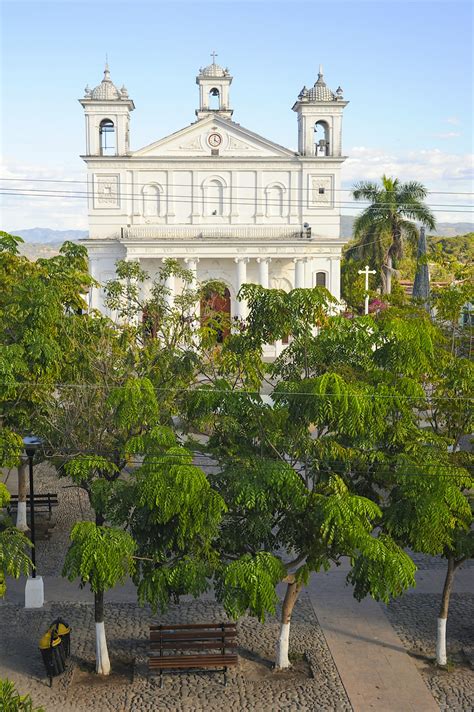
<point x="375" y="669"/>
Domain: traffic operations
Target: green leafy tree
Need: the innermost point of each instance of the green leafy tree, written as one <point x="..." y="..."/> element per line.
<point x="101" y="557"/>
<point x="305" y="473"/>
<point x="173" y="514"/>
<point x="382" y="227"/>
<point x="429" y="511"/>
<point x="37" y="299"/>
<point x="14" y="561"/>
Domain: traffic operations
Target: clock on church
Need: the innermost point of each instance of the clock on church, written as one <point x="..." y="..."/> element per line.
<point x="214" y="140"/>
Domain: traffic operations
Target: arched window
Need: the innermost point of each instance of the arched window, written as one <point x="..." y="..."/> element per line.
<point x="320" y="279"/>
<point x="107" y="137"/>
<point x="274" y="200"/>
<point x="213" y="197"/>
<point x="151" y="200"/>
<point x="321" y="139"/>
<point x="214" y="99"/>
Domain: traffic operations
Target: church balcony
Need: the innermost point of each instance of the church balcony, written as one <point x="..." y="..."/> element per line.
<point x="209" y="233"/>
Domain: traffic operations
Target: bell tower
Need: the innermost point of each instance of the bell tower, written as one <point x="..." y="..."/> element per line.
<point x="107" y="110"/>
<point x="214" y="83"/>
<point x="320" y="120"/>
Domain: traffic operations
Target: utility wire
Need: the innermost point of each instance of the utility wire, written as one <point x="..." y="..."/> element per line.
<point x="190" y="201"/>
<point x="340" y="190"/>
<point x="186" y="198"/>
<point x="209" y="391"/>
<point x="211" y="461"/>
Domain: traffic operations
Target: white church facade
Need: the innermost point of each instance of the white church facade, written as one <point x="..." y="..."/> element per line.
<point x="227" y="203"/>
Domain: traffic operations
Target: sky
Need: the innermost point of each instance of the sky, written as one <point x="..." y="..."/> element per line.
<point x="406" y="68"/>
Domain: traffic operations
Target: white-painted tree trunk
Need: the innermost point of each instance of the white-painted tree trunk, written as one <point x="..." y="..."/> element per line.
<point x="21" y="522"/>
<point x="441" y="657"/>
<point x="101" y="653"/>
<point x="282" y="661"/>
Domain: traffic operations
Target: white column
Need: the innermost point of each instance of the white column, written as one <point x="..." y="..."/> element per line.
<point x="263" y="263"/>
<point x="146" y="285"/>
<point x="191" y="264"/>
<point x="299" y="272"/>
<point x="334" y="285"/>
<point x="241" y="306"/>
<point x="170" y="285"/>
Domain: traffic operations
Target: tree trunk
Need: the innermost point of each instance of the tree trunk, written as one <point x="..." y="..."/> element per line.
<point x="441" y="657"/>
<point x="388" y="275"/>
<point x="282" y="661"/>
<point x="21" y="522"/>
<point x="102" y="662"/>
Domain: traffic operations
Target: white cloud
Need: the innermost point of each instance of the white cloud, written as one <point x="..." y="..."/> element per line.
<point x="453" y="120"/>
<point x="447" y="134"/>
<point x="448" y="176"/>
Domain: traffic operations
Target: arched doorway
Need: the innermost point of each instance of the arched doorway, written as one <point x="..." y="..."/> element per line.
<point x="215" y="308"/>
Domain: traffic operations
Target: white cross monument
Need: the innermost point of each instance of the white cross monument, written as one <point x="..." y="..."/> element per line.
<point x="367" y="271"/>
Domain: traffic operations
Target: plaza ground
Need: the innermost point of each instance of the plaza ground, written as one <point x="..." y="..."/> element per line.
<point x="346" y="655"/>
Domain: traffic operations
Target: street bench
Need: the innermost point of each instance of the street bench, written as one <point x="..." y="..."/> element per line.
<point x="187" y="647"/>
<point x="42" y="502"/>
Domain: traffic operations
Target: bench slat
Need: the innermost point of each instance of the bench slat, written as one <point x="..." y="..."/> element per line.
<point x="190" y="661"/>
<point x="184" y="635"/>
<point x="191" y="645"/>
<point x="192" y="626"/>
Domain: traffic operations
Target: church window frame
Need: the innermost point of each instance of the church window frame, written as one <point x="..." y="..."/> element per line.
<point x="214" y="99"/>
<point x="107" y="137"/>
<point x="215" y="206"/>
<point x="321" y="146"/>
<point x="275" y="206"/>
<point x="152" y="197"/>
<point x="321" y="278"/>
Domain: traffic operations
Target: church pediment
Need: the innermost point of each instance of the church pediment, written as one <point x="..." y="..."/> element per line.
<point x="214" y="134"/>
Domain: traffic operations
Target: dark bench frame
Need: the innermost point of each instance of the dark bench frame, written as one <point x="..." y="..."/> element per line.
<point x="45" y="501"/>
<point x="204" y="637"/>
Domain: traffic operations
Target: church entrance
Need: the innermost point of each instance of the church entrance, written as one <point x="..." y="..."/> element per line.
<point x="215" y="310"/>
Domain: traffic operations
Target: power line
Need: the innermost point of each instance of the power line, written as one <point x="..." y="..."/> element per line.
<point x="210" y="391"/>
<point x="189" y="197"/>
<point x="211" y="461"/>
<point x="37" y="193"/>
<point x="341" y="190"/>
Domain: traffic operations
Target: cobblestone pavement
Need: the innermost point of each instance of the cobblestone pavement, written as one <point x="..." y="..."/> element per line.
<point x="414" y="618"/>
<point x="314" y="685"/>
<point x="253" y="686"/>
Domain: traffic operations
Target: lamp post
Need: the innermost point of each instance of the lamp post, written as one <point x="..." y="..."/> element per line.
<point x="34" y="590"/>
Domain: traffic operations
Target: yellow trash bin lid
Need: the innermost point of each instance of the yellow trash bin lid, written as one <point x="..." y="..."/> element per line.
<point x="46" y="641"/>
<point x="62" y="629"/>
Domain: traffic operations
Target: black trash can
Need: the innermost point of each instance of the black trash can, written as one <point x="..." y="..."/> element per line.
<point x="52" y="652"/>
<point x="64" y="631"/>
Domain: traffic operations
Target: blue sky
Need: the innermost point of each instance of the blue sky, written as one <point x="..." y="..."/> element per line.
<point x="406" y="68"/>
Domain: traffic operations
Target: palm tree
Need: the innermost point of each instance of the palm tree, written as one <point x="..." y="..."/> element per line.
<point x="381" y="228"/>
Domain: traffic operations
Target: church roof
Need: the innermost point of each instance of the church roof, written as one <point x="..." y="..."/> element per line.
<point x="106" y="90"/>
<point x="320" y="91"/>
<point x="213" y="70"/>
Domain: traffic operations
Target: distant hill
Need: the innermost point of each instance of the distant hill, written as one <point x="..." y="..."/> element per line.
<point x="45" y="242"/>
<point x="443" y="229"/>
<point x="46" y="234"/>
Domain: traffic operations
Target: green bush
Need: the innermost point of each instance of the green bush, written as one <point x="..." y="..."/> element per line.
<point x="11" y="701"/>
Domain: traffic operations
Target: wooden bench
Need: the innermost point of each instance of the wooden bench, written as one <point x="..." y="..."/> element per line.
<point x="173" y="647"/>
<point x="44" y="502"/>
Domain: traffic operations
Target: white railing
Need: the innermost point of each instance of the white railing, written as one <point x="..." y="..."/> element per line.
<point x="207" y="233"/>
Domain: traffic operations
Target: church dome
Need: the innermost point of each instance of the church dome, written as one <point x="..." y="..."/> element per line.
<point x="106" y="90"/>
<point x="320" y="91"/>
<point x="214" y="70"/>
